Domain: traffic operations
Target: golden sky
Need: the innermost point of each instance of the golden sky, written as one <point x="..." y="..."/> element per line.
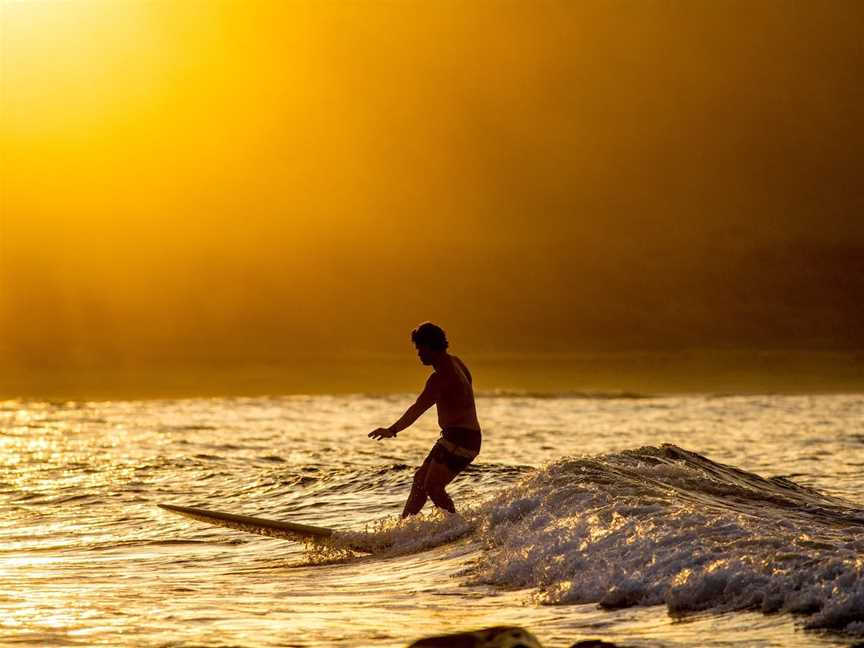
<point x="248" y="178"/>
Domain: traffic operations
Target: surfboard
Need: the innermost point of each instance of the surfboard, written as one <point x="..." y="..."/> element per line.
<point x="261" y="526"/>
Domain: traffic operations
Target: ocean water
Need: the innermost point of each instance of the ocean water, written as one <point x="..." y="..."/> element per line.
<point x="674" y="521"/>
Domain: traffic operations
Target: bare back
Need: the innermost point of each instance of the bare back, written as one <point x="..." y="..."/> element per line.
<point x="455" y="400"/>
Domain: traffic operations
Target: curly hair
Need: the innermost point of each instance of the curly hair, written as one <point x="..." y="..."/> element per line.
<point x="430" y="335"/>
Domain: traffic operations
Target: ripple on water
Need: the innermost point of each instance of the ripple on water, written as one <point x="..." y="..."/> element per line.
<point x="593" y="509"/>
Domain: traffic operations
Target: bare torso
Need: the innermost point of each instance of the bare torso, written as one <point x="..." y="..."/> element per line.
<point x="455" y="400"/>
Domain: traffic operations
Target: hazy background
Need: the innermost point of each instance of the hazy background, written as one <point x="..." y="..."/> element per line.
<point x="228" y="196"/>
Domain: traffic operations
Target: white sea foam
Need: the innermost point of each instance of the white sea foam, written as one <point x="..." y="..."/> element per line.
<point x="667" y="526"/>
<point x="395" y="536"/>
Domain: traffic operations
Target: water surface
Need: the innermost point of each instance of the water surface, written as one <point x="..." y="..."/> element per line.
<point x="576" y="522"/>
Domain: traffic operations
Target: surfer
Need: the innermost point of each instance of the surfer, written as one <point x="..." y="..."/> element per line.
<point x="449" y="388"/>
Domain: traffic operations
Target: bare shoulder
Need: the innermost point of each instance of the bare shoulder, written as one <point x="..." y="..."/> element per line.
<point x="462" y="366"/>
<point x="433" y="382"/>
<point x="431" y="392"/>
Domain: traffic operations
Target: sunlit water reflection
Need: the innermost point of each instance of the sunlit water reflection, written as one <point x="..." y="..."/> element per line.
<point x="86" y="557"/>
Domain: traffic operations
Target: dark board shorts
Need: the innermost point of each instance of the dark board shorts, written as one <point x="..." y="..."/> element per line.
<point x="456" y="448"/>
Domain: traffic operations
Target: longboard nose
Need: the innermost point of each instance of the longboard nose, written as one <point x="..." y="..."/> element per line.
<point x="261" y="526"/>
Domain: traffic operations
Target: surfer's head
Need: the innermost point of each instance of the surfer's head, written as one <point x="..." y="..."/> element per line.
<point x="430" y="341"/>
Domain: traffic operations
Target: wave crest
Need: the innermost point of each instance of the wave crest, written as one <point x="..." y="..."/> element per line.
<point x="663" y="525"/>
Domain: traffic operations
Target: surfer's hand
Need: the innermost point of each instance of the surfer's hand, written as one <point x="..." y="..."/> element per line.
<point x="381" y="433"/>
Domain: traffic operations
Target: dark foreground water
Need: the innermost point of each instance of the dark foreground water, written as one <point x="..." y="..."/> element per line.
<point x="577" y="521"/>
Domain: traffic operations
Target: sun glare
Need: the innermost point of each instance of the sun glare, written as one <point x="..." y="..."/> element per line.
<point x="76" y="69"/>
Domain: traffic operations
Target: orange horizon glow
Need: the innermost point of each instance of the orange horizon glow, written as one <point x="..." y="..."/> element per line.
<point x="228" y="178"/>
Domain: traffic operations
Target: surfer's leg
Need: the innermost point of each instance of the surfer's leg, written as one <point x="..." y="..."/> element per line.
<point x="418" y="495"/>
<point x="437" y="477"/>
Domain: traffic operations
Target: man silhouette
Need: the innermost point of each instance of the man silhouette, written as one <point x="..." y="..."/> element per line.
<point x="449" y="387"/>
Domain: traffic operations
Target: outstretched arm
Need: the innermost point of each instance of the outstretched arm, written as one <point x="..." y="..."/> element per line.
<point x="425" y="400"/>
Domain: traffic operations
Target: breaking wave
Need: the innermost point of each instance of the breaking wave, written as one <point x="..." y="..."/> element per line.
<point x="662" y="525"/>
